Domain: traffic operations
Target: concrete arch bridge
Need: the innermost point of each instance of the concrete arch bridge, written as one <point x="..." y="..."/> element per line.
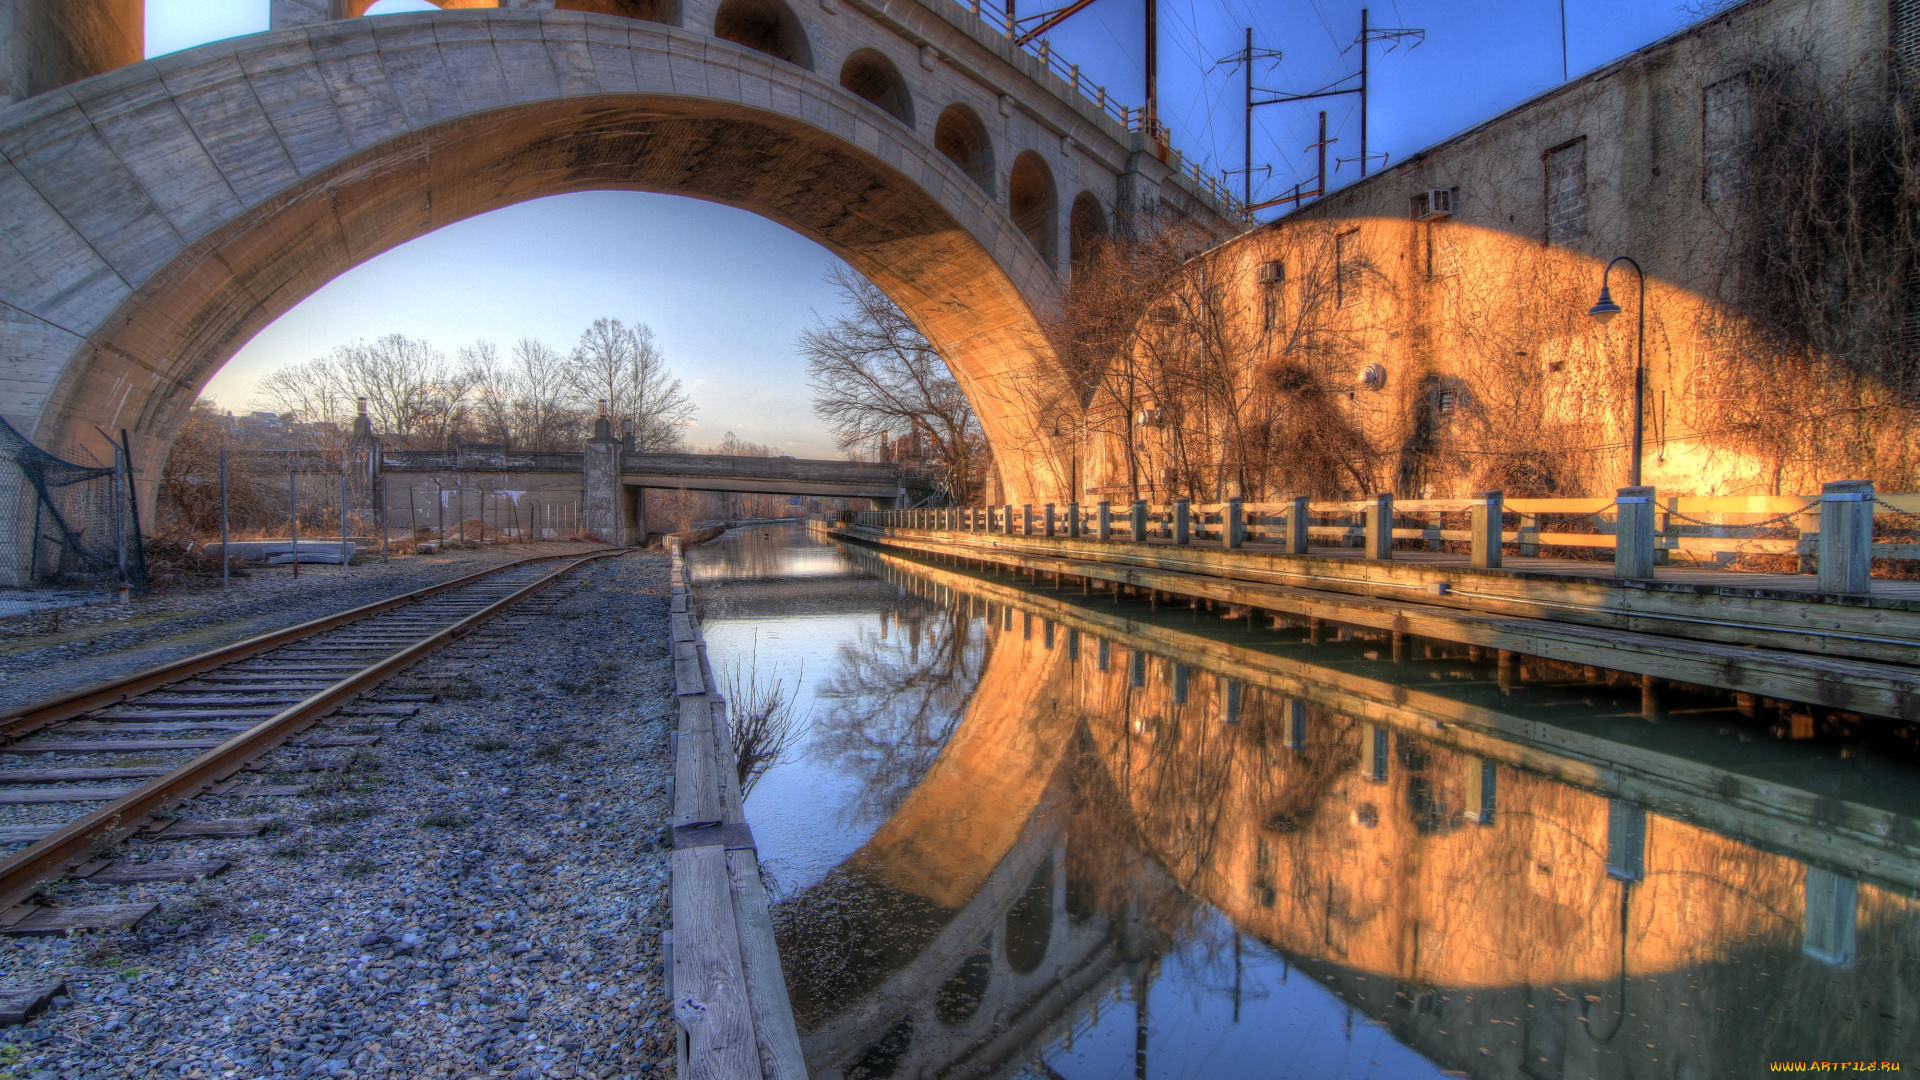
<point x="157" y="215"/>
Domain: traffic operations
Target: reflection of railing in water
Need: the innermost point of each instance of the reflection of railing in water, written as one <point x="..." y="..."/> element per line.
<point x="1434" y="874"/>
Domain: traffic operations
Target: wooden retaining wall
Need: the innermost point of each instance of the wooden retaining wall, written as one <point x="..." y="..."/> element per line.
<point x="729" y="996"/>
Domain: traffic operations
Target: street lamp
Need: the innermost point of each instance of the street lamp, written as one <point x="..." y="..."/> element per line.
<point x="1603" y="311"/>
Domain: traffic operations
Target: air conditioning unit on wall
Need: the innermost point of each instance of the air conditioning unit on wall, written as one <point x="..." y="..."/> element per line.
<point x="1433" y="203"/>
<point x="1272" y="273"/>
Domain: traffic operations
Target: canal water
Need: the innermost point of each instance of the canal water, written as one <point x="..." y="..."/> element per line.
<point x="1023" y="832"/>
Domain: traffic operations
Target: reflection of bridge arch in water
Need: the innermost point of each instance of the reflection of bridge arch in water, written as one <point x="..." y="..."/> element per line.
<point x="1472" y="896"/>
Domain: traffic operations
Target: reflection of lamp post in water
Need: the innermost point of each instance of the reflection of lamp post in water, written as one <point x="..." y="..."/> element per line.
<point x="1604" y="310"/>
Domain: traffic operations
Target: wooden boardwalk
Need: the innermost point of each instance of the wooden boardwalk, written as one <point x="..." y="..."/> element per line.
<point x="729" y="996"/>
<point x="1727" y="630"/>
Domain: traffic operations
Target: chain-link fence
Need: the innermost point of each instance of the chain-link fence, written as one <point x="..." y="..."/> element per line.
<point x="66" y="525"/>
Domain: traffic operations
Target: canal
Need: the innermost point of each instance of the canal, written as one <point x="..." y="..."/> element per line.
<point x="1021" y="832"/>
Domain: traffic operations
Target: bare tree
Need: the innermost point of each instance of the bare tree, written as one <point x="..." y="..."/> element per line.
<point x="540" y="377"/>
<point x="624" y="367"/>
<point x="313" y="390"/>
<point x="874" y="376"/>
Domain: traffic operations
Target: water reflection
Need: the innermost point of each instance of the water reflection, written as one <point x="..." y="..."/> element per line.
<point x="1088" y="840"/>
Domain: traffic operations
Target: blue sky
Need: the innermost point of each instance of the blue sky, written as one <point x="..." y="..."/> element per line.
<point x="727" y="292"/>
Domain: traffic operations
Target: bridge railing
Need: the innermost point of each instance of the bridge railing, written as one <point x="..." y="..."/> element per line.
<point x="1131" y="117"/>
<point x="1838" y="534"/>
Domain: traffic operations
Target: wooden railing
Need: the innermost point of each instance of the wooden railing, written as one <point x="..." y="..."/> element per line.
<point x="1831" y="534"/>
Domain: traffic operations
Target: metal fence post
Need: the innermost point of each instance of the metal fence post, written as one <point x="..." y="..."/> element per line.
<point x="293" y="521"/>
<point x="1139" y="521"/>
<point x="1633" y="533"/>
<point x="1846" y="537"/>
<point x="343" y="517"/>
<point x="1484" y="529"/>
<point x="1379" y="527"/>
<point x="226" y="553"/>
<point x="1236" y="531"/>
<point x="1103" y="525"/>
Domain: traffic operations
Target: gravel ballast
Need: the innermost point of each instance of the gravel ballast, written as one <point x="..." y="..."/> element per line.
<point x="52" y="652"/>
<point x="481" y="893"/>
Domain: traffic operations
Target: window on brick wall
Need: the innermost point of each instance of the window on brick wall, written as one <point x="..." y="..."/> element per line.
<point x="1346" y="268"/>
<point x="1567" y="192"/>
<point x="1727" y="126"/>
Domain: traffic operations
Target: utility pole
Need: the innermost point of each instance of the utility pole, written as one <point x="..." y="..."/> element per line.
<point x="1365" y="48"/>
<point x="1244" y="61"/>
<point x="1360" y="84"/>
<point x="1151" y="122"/>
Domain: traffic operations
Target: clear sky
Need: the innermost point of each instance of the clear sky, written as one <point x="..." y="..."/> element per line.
<point x="727" y="292"/>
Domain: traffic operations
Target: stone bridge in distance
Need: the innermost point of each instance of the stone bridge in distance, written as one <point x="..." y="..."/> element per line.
<point x="613" y="480"/>
<point x="159" y="214"/>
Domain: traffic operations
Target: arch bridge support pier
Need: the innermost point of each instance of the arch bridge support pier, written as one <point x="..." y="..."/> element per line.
<point x="611" y="509"/>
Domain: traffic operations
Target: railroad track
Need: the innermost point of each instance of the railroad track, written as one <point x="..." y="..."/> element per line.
<point x="95" y="768"/>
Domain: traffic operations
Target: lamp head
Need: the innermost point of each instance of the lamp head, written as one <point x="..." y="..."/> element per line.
<point x="1605" y="309"/>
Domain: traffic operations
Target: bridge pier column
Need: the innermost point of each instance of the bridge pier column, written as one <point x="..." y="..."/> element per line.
<point x="604" y="500"/>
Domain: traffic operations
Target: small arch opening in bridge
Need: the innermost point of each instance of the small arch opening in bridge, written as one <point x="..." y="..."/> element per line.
<point x="871" y="75"/>
<point x="961" y="136"/>
<point x="659" y="11"/>
<point x="1032" y="203"/>
<point x="960" y="996"/>
<point x="402" y="7"/>
<point x="1030" y="922"/>
<point x="767" y="26"/>
<point x="1086" y="226"/>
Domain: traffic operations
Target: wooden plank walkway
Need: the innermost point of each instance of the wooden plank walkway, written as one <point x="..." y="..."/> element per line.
<point x="1732" y="643"/>
<point x="729" y="995"/>
<point x="1725" y="607"/>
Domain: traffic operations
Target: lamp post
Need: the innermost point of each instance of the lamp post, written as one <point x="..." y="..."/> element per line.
<point x="1603" y="311"/>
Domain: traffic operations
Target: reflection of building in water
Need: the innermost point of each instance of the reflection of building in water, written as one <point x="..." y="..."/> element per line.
<point x="1495" y="918"/>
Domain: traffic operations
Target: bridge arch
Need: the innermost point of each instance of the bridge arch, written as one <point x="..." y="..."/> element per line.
<point x="767" y="26"/>
<point x="963" y="139"/>
<point x="868" y="73"/>
<point x="160" y="215"/>
<point x="1034" y="202"/>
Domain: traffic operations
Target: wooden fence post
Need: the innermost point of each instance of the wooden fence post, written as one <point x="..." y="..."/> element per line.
<point x="1182" y="520"/>
<point x="1049" y="519"/>
<point x="1073" y="521"/>
<point x="1846" y="537"/>
<point x="1529" y="534"/>
<point x="1484" y="527"/>
<point x="1236" y="531"/>
<point x="1633" y="533"/>
<point x="1379" y="527"/>
<point x="1139" y="522"/>
<point x="1104" y="525"/>
<point x="1026" y="519"/>
<point x="1297" y="536"/>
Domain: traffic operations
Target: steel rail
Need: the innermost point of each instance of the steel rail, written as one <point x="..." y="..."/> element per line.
<point x="23" y="873"/>
<point x="31" y="718"/>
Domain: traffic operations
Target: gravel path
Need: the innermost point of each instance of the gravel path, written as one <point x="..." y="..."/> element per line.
<point x="479" y="894"/>
<point x="50" y="653"/>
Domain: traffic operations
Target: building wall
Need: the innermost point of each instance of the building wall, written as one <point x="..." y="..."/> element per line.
<point x="1438" y="357"/>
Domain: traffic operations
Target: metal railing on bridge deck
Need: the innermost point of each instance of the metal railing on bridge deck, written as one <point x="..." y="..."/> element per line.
<point x="1133" y="118"/>
<point x="1832" y="534"/>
